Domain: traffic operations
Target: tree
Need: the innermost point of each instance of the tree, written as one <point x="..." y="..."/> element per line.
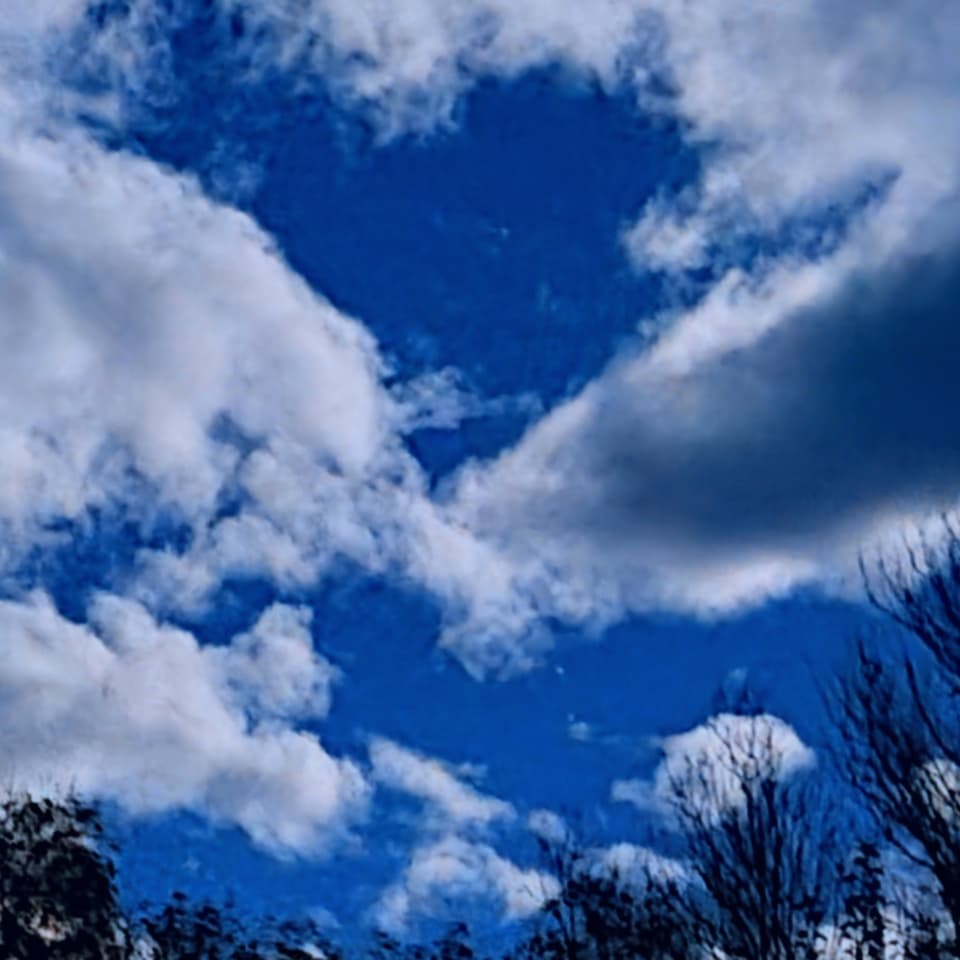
<point x="58" y="897"/>
<point x="598" y="914"/>
<point x="182" y="930"/>
<point x="759" y="833"/>
<point x="896" y="726"/>
<point x="897" y="715"/>
<point x="863" y="926"/>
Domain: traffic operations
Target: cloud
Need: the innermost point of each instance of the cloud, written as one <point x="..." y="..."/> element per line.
<point x="452" y="861"/>
<point x="704" y="476"/>
<point x="799" y="412"/>
<point x="767" y="88"/>
<point x="638" y="866"/>
<point x="775" y="427"/>
<point x="763" y="440"/>
<point x="408" y="62"/>
<point x="128" y="709"/>
<point x="453" y="869"/>
<point x="451" y="800"/>
<point x="710" y="761"/>
<point x="181" y="313"/>
<point x="548" y="826"/>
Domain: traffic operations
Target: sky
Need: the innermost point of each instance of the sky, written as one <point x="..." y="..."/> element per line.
<point x="416" y="418"/>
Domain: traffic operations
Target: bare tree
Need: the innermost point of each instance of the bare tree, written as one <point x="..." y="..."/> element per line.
<point x="600" y="914"/>
<point x="898" y="749"/>
<point x="896" y="713"/>
<point x="917" y="586"/>
<point x="759" y="835"/>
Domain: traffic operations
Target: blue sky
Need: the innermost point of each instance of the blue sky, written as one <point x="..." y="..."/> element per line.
<point x="412" y="413"/>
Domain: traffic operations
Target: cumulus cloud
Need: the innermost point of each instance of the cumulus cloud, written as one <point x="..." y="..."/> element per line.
<point x="129" y="709"/>
<point x="770" y="86"/>
<point x="548" y="826"/>
<point x="129" y="349"/>
<point x="800" y="411"/>
<point x="638" y="866"/>
<point x="157" y="355"/>
<point x="454" y="802"/>
<point x="455" y="869"/>
<point x="453" y="861"/>
<point x="703" y="475"/>
<point x="711" y="761"/>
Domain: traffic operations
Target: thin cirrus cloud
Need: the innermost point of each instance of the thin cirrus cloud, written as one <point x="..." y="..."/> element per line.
<point x="450" y="801"/>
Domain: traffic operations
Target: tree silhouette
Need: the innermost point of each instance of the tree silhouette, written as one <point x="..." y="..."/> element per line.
<point x="760" y="837"/>
<point x="182" y="930"/>
<point x="863" y="925"/>
<point x="58" y="896"/>
<point x="897" y="716"/>
<point x="599" y="915"/>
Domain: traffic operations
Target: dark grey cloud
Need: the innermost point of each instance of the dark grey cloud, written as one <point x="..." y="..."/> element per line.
<point x="839" y="411"/>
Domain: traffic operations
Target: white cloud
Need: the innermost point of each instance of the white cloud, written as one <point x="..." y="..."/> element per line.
<point x="408" y="62"/>
<point x="548" y="826"/>
<point x="761" y="442"/>
<point x="638" y="866"/>
<point x="138" y="712"/>
<point x="447" y="796"/>
<point x="714" y="760"/>
<point x="453" y="869"/>
<point x="275" y="667"/>
<point x="180" y="313"/>
<point x="122" y="360"/>
<point x="580" y="730"/>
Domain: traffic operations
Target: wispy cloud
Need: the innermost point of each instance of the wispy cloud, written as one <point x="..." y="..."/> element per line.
<point x="450" y="801"/>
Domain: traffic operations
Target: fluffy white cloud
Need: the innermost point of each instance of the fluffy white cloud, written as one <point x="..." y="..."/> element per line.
<point x="548" y="826"/>
<point x="714" y="760"/>
<point x="797" y="413"/>
<point x="455" y="869"/>
<point x="451" y="800"/>
<point x="129" y="709"/>
<point x="123" y="350"/>
<point x="770" y="86"/>
<point x="638" y="866"/>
